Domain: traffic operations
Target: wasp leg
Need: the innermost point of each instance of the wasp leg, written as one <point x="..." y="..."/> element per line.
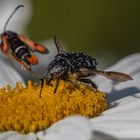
<point x="42" y="83"/>
<point x="73" y="82"/>
<point x="56" y="85"/>
<point x="88" y="81"/>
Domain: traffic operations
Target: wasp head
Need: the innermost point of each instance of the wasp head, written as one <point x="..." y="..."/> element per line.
<point x="10" y="34"/>
<point x="57" y="69"/>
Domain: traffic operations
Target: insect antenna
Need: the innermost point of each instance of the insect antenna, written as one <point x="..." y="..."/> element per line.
<point x="58" y="45"/>
<point x="6" y="23"/>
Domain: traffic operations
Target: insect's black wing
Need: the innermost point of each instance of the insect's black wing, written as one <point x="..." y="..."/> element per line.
<point x="117" y="76"/>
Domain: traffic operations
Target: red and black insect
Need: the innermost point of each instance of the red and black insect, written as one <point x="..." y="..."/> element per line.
<point x="74" y="66"/>
<point x="19" y="47"/>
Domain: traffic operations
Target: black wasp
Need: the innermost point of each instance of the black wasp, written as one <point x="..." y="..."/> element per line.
<point x="74" y="66"/>
<point x="19" y="47"/>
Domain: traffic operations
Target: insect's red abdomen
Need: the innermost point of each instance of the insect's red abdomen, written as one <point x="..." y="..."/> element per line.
<point x="33" y="59"/>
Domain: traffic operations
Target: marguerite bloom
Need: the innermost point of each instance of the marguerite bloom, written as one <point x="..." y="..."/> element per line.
<point x="113" y="123"/>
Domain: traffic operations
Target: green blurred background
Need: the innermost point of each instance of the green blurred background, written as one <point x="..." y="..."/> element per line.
<point x="105" y="29"/>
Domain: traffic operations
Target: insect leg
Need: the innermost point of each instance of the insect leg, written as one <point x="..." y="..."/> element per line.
<point x="89" y="82"/>
<point x="42" y="83"/>
<point x="73" y="82"/>
<point x="56" y="85"/>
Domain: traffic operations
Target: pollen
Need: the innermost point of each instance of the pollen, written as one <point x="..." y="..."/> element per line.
<point x="22" y="109"/>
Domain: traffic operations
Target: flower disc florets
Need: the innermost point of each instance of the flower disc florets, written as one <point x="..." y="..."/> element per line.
<point x="22" y="109"/>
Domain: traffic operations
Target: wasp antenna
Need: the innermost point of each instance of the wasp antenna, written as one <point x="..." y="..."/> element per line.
<point x="58" y="45"/>
<point x="6" y="23"/>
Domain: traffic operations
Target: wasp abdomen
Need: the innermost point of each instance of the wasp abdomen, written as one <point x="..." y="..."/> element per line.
<point x="18" y="47"/>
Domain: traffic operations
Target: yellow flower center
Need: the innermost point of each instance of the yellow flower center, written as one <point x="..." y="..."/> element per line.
<point x="22" y="109"/>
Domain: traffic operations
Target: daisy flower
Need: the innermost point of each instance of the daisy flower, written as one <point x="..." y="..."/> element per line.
<point x="21" y="107"/>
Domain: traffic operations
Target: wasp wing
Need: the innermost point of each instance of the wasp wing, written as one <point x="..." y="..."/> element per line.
<point x="32" y="45"/>
<point x="117" y="76"/>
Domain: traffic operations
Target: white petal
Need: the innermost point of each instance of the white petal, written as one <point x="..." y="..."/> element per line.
<point x="71" y="128"/>
<point x="21" y="18"/>
<point x="120" y="125"/>
<point x="11" y="135"/>
<point x="5" y="135"/>
<point x="8" y="75"/>
<point x="123" y="120"/>
<point x="30" y="136"/>
<point x="129" y="65"/>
